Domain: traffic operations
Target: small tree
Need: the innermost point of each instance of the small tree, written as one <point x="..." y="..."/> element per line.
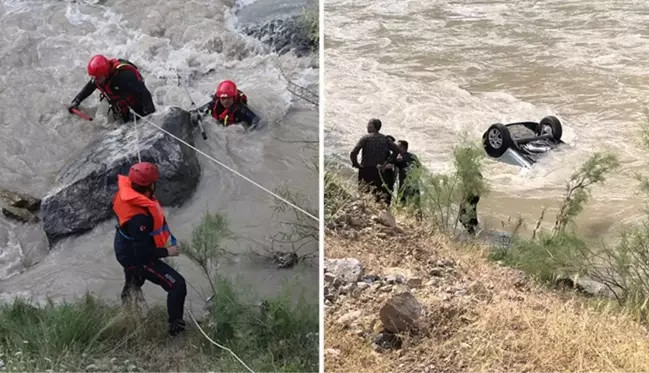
<point x="578" y="190"/>
<point x="269" y="336"/>
<point x="206" y="247"/>
<point x="546" y="255"/>
<point x="624" y="267"/>
<point x="443" y="197"/>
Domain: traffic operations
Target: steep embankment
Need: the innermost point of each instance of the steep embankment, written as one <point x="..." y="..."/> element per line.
<point x="469" y="314"/>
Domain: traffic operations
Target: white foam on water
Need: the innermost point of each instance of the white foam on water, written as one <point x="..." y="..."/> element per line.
<point x="434" y="70"/>
<point x="44" y="49"/>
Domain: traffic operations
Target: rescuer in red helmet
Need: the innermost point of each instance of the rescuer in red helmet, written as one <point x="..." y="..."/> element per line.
<point x="229" y="106"/>
<point x="141" y="240"/>
<point x="121" y="83"/>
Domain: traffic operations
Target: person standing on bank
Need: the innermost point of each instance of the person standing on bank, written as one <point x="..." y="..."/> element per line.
<point x="375" y="148"/>
<point x="141" y="240"/>
<point x="469" y="207"/>
<point x="388" y="172"/>
<point x="406" y="162"/>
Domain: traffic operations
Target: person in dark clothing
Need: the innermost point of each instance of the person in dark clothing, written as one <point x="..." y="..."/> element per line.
<point x="404" y="163"/>
<point x="120" y="82"/>
<point x="375" y="151"/>
<point x="228" y="106"/>
<point x="388" y="171"/>
<point x="141" y="241"/>
<point x="469" y="210"/>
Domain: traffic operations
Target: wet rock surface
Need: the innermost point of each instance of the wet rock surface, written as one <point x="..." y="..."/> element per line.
<point x="84" y="189"/>
<point x="284" y="35"/>
<point x="20" y="200"/>
<point x="19" y="206"/>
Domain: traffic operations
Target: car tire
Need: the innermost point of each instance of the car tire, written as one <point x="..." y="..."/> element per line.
<point x="555" y="126"/>
<point x="497" y="140"/>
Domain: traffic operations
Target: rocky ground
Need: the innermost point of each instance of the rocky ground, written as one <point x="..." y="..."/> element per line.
<point x="398" y="298"/>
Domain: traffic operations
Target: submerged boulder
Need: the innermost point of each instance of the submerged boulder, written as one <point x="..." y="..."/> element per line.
<point x="286" y="34"/>
<point x="19" y="206"/>
<point x="20" y="200"/>
<point x="83" y="193"/>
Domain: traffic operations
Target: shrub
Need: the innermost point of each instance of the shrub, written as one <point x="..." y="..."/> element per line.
<point x="443" y="195"/>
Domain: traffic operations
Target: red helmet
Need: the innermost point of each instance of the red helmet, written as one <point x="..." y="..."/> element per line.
<point x="99" y="66"/>
<point x="227" y="88"/>
<point x="143" y="173"/>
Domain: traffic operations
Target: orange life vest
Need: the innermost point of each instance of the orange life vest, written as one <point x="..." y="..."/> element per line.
<point x="228" y="114"/>
<point x="119" y="101"/>
<point x="128" y="203"/>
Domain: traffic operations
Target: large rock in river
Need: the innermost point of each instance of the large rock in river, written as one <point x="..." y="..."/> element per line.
<point x="84" y="190"/>
<point x="293" y="33"/>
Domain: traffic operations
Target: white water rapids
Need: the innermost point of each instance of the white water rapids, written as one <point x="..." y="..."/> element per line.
<point x="44" y="49"/>
<point x="433" y="69"/>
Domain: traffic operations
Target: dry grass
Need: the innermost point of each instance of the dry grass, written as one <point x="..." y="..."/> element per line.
<point x="479" y="316"/>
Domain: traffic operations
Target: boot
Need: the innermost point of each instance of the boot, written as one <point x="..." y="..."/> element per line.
<point x="176" y="327"/>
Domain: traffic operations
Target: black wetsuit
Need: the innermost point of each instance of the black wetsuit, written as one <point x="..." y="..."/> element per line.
<point x="127" y="83"/>
<point x="136" y="252"/>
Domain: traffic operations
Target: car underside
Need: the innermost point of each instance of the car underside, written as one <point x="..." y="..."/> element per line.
<point x="522" y="143"/>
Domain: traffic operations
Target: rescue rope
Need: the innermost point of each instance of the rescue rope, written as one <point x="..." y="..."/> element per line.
<point x="215" y="343"/>
<point x="137" y="138"/>
<point x="229" y="168"/>
<point x="200" y="122"/>
<point x="189" y="311"/>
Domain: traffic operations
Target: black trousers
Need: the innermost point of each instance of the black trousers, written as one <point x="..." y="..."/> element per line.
<point x="161" y="274"/>
<point x="469" y="213"/>
<point x="372" y="178"/>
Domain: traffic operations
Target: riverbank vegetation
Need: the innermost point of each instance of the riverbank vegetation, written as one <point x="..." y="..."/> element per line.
<point x="549" y="301"/>
<point x="90" y="334"/>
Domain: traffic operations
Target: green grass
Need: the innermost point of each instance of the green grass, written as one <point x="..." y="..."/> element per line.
<point x="96" y="335"/>
<point x="90" y="334"/>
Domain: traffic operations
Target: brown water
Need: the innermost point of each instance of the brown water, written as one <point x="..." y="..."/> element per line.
<point x="434" y="69"/>
<point x="44" y="48"/>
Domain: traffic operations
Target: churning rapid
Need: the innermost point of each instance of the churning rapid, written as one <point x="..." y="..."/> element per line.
<point x="432" y="70"/>
<point x="44" y="49"/>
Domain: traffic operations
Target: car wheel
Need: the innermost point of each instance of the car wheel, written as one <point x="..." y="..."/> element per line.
<point x="497" y="140"/>
<point x="553" y="124"/>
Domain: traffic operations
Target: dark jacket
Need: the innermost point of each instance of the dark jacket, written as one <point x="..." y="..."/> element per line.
<point x="408" y="160"/>
<point x="133" y="243"/>
<point x="126" y="82"/>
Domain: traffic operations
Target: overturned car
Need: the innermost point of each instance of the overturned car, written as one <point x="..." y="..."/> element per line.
<point x="522" y="143"/>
